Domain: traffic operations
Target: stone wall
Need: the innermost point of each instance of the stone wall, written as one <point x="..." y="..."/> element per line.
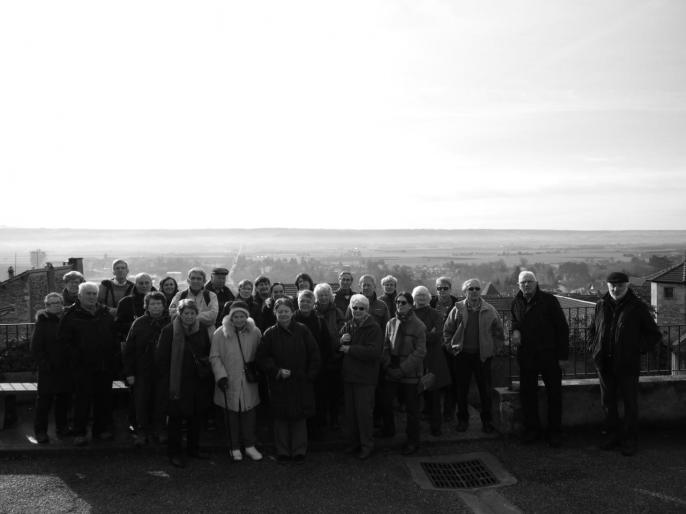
<point x="670" y="311"/>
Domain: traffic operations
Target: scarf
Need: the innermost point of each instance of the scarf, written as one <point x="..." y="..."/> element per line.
<point x="404" y="317"/>
<point x="177" y="350"/>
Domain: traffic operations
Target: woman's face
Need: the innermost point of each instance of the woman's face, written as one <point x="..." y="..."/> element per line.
<point x="239" y="319"/>
<point x="359" y="311"/>
<point x="283" y="315"/>
<point x="305" y="304"/>
<point x="278" y="292"/>
<point x="73" y="286"/>
<point x="324" y="297"/>
<point x="54" y="305"/>
<point x="402" y="305"/>
<point x="245" y="291"/>
<point x="155" y="308"/>
<point x="168" y="288"/>
<point x="188" y="317"/>
<point x="304" y="284"/>
<point x="422" y="299"/>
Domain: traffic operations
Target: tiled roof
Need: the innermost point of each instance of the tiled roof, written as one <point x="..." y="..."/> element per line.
<point x="674" y="275"/>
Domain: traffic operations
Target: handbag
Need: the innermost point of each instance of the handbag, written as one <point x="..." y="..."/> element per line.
<point x="252" y="374"/>
<point x="426" y="382"/>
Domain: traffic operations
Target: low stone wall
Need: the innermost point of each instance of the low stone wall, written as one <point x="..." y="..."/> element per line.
<point x="661" y="399"/>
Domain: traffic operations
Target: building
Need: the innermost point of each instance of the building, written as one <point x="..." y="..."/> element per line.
<point x="668" y="294"/>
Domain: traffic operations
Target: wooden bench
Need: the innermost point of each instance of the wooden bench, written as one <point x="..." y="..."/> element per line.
<point x="28" y="390"/>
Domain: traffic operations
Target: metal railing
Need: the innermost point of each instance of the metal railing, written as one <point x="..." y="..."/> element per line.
<point x="14" y="334"/>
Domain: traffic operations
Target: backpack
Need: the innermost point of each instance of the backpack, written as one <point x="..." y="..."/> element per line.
<point x="109" y="290"/>
<point x="205" y="295"/>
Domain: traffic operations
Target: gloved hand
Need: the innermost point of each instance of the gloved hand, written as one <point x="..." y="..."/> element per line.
<point x="223" y="384"/>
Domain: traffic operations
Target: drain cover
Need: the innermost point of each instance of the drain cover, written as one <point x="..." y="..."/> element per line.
<point x="466" y="471"/>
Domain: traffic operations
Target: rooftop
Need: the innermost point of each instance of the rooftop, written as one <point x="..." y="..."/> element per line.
<point x="673" y="275"/>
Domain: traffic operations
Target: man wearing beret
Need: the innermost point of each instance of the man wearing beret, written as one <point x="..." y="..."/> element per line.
<point x="622" y="330"/>
<point x="217" y="285"/>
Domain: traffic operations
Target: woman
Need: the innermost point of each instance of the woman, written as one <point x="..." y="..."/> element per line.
<point x="234" y="346"/>
<point x="435" y="361"/>
<point x="304" y="281"/>
<point x="276" y="291"/>
<point x="70" y="293"/>
<point x="361" y="344"/>
<point x="403" y="362"/>
<point x="289" y="356"/>
<point x="54" y="378"/>
<point x="184" y="371"/>
<point x="169" y="287"/>
<point x="245" y="295"/>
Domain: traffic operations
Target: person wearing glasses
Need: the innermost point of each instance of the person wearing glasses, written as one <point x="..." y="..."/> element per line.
<point x="473" y="333"/>
<point x="403" y="363"/>
<point x="361" y="344"/>
<point x="443" y="302"/>
<point x="70" y="294"/>
<point x="540" y="334"/>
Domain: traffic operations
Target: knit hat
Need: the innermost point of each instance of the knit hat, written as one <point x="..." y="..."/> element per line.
<point x="239" y="306"/>
<point x="617" y="277"/>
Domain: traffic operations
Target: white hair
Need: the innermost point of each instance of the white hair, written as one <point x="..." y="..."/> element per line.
<point x="389" y="278"/>
<point x="142" y="275"/>
<point x="88" y="285"/>
<point x="526" y="274"/>
<point x="359" y="299"/>
<point x="319" y="288"/>
<point x="419" y="290"/>
<point x="469" y="282"/>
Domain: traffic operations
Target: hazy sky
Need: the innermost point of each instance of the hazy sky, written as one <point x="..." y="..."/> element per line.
<point x="551" y="114"/>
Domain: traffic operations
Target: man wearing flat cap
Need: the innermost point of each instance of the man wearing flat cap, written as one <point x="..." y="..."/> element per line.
<point x="217" y="285"/>
<point x="622" y="329"/>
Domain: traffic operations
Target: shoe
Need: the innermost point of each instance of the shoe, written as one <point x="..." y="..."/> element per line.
<point x="105" y="436"/>
<point x="350" y="450"/>
<point x="365" y="453"/>
<point x="383" y="434"/>
<point x="487" y="428"/>
<point x="253" y="453"/>
<point x="409" y="449"/>
<point x="177" y="461"/>
<point x="554" y="439"/>
<point x="529" y="436"/>
<point x="299" y="459"/>
<point x="629" y="447"/>
<point x="237" y="455"/>
<point x="462" y="426"/>
<point x="80" y="440"/>
<point x="283" y="459"/>
<point x="199" y="455"/>
<point x="42" y="438"/>
<point x="436" y="432"/>
<point x="611" y="441"/>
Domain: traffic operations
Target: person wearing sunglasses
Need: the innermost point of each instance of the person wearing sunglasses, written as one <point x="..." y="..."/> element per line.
<point x="403" y="363"/>
<point x="444" y="300"/>
<point x="473" y="333"/>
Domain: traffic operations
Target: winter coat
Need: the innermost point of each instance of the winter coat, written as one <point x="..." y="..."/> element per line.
<point x="129" y="308"/>
<point x="90" y="339"/>
<point x="341" y="299"/>
<point x="361" y="363"/>
<point x="51" y="355"/>
<point x="435" y="304"/>
<point x="227" y="362"/>
<point x="542" y="324"/>
<point x="224" y="296"/>
<point x="491" y="333"/>
<point x="405" y="348"/>
<point x="389" y="300"/>
<point x="68" y="299"/>
<point x="207" y="314"/>
<point x="634" y="329"/>
<point x="267" y="314"/>
<point x="293" y="348"/>
<point x="141" y="341"/>
<point x="321" y="335"/>
<point x="435" y="360"/>
<point x="195" y="391"/>
<point x="333" y="318"/>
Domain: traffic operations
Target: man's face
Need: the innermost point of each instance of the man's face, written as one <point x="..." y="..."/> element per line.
<point x="263" y="289"/>
<point x="402" y="305"/>
<point x="422" y="299"/>
<point x="143" y="285"/>
<point x="73" y="286"/>
<point x="218" y="281"/>
<point x="389" y="287"/>
<point x="303" y="283"/>
<point x="473" y="292"/>
<point x="618" y="289"/>
<point x="305" y="304"/>
<point x="195" y="281"/>
<point x="155" y="308"/>
<point x="121" y="270"/>
<point x="345" y="281"/>
<point x="245" y="290"/>
<point x="443" y="289"/>
<point x="367" y="287"/>
<point x="527" y="285"/>
<point x="88" y="297"/>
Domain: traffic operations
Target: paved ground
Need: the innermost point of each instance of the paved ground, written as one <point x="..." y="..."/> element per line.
<point x="576" y="478"/>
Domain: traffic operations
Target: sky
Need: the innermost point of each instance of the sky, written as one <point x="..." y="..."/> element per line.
<point x="528" y="114"/>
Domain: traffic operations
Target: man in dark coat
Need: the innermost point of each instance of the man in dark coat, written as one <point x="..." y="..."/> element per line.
<point x="87" y="329"/>
<point x="131" y="306"/>
<point x="342" y="297"/>
<point x="541" y="334"/>
<point x="390" y="291"/>
<point x="622" y="330"/>
<point x="217" y="285"/>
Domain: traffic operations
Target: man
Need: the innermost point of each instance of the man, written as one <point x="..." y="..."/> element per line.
<point x="377" y="309"/>
<point x="112" y="290"/>
<point x="390" y="285"/>
<point x="208" y="305"/>
<point x="342" y="297"/>
<point x="217" y="285"/>
<point x="87" y="330"/>
<point x="541" y="334"/>
<point x="444" y="301"/>
<point x="131" y="306"/>
<point x="70" y="293"/>
<point x="473" y="333"/>
<point x="622" y="330"/>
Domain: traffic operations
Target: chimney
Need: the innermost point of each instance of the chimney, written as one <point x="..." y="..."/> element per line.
<point x="10" y="272"/>
<point x="76" y="264"/>
<point x="50" y="271"/>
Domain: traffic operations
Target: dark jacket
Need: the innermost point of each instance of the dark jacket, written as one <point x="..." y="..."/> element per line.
<point x="333" y="319"/>
<point x="361" y="363"/>
<point x="620" y="332"/>
<point x="405" y="348"/>
<point x="293" y="348"/>
<point x="196" y="392"/>
<point x="129" y="308"/>
<point x="435" y="360"/>
<point x="389" y="300"/>
<point x="253" y="308"/>
<point x="224" y="296"/>
<point x="69" y="299"/>
<point x="90" y="338"/>
<point x="542" y="324"/>
<point x="51" y="356"/>
<point x="139" y="350"/>
<point x="267" y="316"/>
<point x="443" y="311"/>
<point x="341" y="299"/>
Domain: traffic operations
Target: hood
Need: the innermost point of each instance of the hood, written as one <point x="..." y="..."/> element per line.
<point x="228" y="329"/>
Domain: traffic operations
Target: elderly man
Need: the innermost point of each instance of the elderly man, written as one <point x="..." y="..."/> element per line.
<point x="217" y="285"/>
<point x="377" y="309"/>
<point x="444" y="301"/>
<point x="344" y="293"/>
<point x="87" y="330"/>
<point x="206" y="301"/>
<point x="111" y="291"/>
<point x="390" y="286"/>
<point x="473" y="333"/>
<point x="541" y="335"/>
<point x="72" y="280"/>
<point x="131" y="306"/>
<point x="622" y="330"/>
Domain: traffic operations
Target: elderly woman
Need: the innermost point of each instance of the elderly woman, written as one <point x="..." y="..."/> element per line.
<point x="234" y="346"/>
<point x="184" y="372"/>
<point x="276" y="291"/>
<point x="403" y="361"/>
<point x="435" y="361"/>
<point x="390" y="285"/>
<point x="361" y="344"/>
<point x="54" y="378"/>
<point x="474" y="333"/>
<point x="289" y="357"/>
<point x="70" y="293"/>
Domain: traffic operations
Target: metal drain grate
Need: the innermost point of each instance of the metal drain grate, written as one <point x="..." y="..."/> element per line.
<point x="459" y="475"/>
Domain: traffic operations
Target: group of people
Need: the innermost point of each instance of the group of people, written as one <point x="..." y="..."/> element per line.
<point x="305" y="357"/>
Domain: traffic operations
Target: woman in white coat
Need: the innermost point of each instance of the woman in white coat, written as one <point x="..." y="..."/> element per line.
<point x="234" y="345"/>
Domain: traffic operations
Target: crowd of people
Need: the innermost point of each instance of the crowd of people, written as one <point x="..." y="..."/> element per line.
<point x="315" y="362"/>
